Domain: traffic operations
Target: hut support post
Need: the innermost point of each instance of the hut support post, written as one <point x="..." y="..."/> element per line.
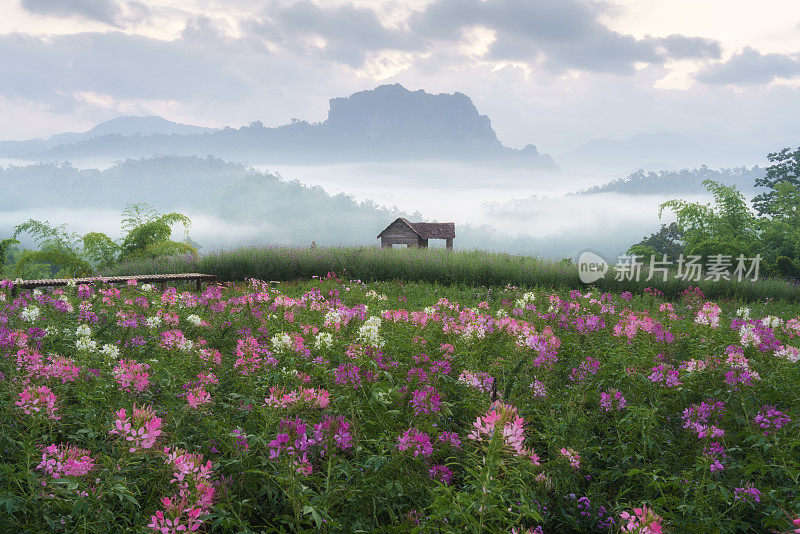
<point x="449" y="243"/>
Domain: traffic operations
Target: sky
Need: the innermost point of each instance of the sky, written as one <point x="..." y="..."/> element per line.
<point x="554" y="73"/>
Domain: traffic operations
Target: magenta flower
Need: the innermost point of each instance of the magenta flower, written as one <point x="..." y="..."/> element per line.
<point x="65" y="460"/>
<point x="426" y="401"/>
<point x="141" y="430"/>
<point x="35" y="400"/>
<point x="415" y="440"/>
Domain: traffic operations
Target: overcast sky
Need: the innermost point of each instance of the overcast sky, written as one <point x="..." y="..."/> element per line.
<point x="555" y="73"/>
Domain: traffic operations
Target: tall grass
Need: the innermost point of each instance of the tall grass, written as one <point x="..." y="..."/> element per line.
<point x="470" y="267"/>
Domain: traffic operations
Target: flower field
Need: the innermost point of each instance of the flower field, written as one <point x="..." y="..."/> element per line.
<point x="337" y="406"/>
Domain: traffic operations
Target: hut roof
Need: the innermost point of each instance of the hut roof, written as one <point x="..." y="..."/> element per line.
<point x="429" y="230"/>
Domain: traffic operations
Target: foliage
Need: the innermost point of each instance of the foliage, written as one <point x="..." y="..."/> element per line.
<point x="666" y="243"/>
<point x="785" y="169"/>
<point x="337" y="406"/>
<point x="730" y="228"/>
<point x="148" y="236"/>
<point x="149" y="233"/>
<point x="727" y="228"/>
<point x="5" y="247"/>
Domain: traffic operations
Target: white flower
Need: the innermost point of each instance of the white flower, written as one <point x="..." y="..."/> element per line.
<point x="333" y="318"/>
<point x="430" y="310"/>
<point x="83" y="331"/>
<point x="86" y="343"/>
<point x="281" y="341"/>
<point x="525" y="299"/>
<point x="153" y="322"/>
<point x="29" y="313"/>
<point x="195" y="320"/>
<point x="770" y="321"/>
<point x="148" y="287"/>
<point x="501" y="313"/>
<point x="369" y="332"/>
<point x="323" y="340"/>
<point x="37" y="292"/>
<point x="748" y="336"/>
<point x="375" y="295"/>
<point x="744" y="313"/>
<point x="790" y="353"/>
<point x="112" y="351"/>
<point x="71" y="283"/>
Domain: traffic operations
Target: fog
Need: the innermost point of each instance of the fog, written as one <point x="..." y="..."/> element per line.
<point x="510" y="209"/>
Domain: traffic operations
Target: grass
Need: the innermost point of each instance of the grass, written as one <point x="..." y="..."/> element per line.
<point x="470" y="267"/>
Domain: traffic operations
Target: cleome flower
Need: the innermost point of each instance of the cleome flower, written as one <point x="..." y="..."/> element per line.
<point x="505" y="418"/>
<point x="141" y="430"/>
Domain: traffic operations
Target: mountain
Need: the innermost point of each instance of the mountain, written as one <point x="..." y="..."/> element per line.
<point x="386" y="123"/>
<point x="124" y="126"/>
<point x="658" y="151"/>
<point x="144" y="126"/>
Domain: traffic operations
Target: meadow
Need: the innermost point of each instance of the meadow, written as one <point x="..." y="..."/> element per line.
<point x="335" y="405"/>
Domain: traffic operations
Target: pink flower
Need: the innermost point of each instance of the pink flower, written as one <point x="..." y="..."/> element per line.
<point x="65" y="460"/>
<point x="132" y="376"/>
<point x="573" y="457"/>
<point x="511" y="425"/>
<point x="642" y="521"/>
<point x="442" y="473"/>
<point x="612" y="400"/>
<point x="35" y="400"/>
<point x="142" y="432"/>
<point x="198" y="396"/>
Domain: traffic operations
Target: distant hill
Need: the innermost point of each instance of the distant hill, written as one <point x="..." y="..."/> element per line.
<point x="124" y="126"/>
<point x="663" y="150"/>
<point x="683" y="182"/>
<point x="386" y="123"/>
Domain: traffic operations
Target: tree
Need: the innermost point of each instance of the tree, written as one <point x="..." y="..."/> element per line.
<point x="5" y="248"/>
<point x="58" y="248"/>
<point x="780" y="233"/>
<point x="666" y="242"/>
<point x="785" y="168"/>
<point x="729" y="227"/>
<point x="149" y="233"/>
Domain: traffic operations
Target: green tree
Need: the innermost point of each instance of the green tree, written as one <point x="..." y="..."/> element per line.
<point x="149" y="232"/>
<point x="785" y="168"/>
<point x="729" y="227"/>
<point x="58" y="248"/>
<point x="780" y="232"/>
<point x="666" y="242"/>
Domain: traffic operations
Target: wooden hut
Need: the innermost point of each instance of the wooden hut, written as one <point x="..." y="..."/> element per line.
<point x="403" y="232"/>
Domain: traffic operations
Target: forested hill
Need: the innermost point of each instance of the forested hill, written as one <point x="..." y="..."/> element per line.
<point x="386" y="123"/>
<point x="686" y="181"/>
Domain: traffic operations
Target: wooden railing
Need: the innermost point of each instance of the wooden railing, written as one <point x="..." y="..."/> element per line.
<point x="160" y="279"/>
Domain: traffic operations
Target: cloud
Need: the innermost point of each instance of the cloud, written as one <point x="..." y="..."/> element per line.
<point x="105" y="11"/>
<point x="563" y="34"/>
<point x="682" y="47"/>
<point x="750" y="67"/>
<point x="343" y="33"/>
<point x="128" y="67"/>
